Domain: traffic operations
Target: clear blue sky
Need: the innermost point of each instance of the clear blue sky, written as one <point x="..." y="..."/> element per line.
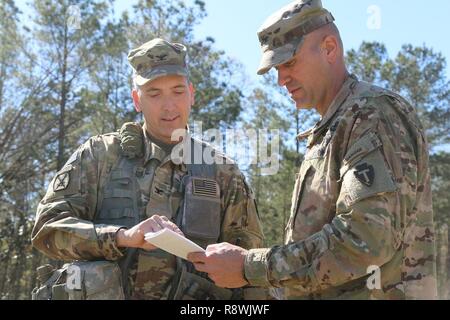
<point x="233" y="23"/>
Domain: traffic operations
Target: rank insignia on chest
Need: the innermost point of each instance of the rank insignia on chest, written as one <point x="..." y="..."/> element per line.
<point x="61" y="181"/>
<point x="365" y="173"/>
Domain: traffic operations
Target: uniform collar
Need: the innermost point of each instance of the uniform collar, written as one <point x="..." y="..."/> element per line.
<point x="338" y="101"/>
<point x="153" y="151"/>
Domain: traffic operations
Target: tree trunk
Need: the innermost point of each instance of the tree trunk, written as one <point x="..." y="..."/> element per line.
<point x="16" y="277"/>
<point x="62" y="105"/>
<point x="20" y="265"/>
<point x="35" y="262"/>
<point x="4" y="279"/>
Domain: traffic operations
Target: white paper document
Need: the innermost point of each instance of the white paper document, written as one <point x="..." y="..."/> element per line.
<point x="173" y="243"/>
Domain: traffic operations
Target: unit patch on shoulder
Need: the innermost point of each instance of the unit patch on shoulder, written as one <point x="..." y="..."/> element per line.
<point x="365" y="173"/>
<point x="61" y="181"/>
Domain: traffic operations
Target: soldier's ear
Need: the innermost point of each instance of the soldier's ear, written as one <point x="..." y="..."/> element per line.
<point x="136" y="100"/>
<point x="330" y="47"/>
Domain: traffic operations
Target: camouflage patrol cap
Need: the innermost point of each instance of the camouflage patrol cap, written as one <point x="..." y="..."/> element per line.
<point x="282" y="34"/>
<point x="158" y="58"/>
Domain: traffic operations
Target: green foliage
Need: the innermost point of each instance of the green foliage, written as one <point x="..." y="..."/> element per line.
<point x="273" y="192"/>
<point x="440" y="172"/>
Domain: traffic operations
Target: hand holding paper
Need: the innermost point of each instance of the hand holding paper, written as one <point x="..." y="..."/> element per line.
<point x="172" y="242"/>
<point x="135" y="236"/>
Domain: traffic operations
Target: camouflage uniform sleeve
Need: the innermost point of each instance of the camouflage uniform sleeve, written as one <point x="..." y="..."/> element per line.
<point x="366" y="230"/>
<point x="63" y="228"/>
<point x="241" y="225"/>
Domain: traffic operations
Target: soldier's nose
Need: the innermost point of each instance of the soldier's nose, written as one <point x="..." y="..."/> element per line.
<point x="283" y="78"/>
<point x="168" y="105"/>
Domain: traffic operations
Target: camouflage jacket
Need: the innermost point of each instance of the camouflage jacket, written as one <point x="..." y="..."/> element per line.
<point x="67" y="223"/>
<point x="361" y="224"/>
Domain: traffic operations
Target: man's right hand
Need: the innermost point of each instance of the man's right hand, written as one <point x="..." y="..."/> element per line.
<point x="134" y="237"/>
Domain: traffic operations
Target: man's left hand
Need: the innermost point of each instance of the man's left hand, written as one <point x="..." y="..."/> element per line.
<point x="224" y="264"/>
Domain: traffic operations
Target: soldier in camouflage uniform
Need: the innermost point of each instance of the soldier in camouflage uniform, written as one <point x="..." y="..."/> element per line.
<point x="116" y="187"/>
<point x="361" y="224"/>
